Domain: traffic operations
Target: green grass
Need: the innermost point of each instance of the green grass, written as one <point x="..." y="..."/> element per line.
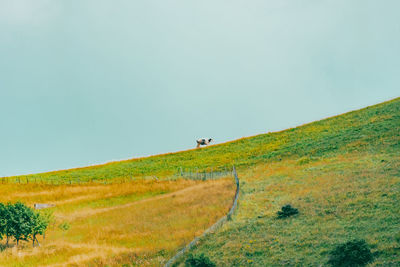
<point x="369" y="129"/>
<point x="339" y="198"/>
<point x="343" y="175"/>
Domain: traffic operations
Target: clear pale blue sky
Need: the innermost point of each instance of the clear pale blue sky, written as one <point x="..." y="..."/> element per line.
<point x="85" y="82"/>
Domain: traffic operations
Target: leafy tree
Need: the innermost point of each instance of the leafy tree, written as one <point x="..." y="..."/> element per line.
<point x="3" y="220"/>
<point x="20" y="221"/>
<point x="5" y="226"/>
<point x="39" y="223"/>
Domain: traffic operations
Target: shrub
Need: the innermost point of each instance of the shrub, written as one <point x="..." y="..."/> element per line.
<point x="64" y="226"/>
<point x="287" y="211"/>
<point x="352" y="253"/>
<point x="199" y="260"/>
<point x="303" y="160"/>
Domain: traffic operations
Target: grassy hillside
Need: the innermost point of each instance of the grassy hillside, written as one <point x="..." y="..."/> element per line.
<point x="342" y="197"/>
<point x="358" y="130"/>
<point x="343" y="175"/>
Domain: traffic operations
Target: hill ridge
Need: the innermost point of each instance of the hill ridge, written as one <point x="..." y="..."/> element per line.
<point x="162" y="165"/>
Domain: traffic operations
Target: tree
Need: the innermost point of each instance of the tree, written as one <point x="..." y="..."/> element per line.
<point x="3" y="220"/>
<point x="39" y="223"/>
<point x="5" y="226"/>
<point x="20" y="221"/>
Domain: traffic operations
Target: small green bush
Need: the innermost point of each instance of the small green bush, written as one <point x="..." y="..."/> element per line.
<point x="64" y="226"/>
<point x="199" y="260"/>
<point x="303" y="160"/>
<point x="287" y="211"/>
<point x="351" y="253"/>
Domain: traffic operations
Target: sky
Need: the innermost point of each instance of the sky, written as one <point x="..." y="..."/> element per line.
<point x="85" y="82"/>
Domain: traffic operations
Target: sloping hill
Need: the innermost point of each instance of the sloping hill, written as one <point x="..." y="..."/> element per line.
<point x="363" y="129"/>
<point x="343" y="175"/>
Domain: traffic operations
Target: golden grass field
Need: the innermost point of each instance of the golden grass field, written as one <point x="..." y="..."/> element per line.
<point x="139" y="222"/>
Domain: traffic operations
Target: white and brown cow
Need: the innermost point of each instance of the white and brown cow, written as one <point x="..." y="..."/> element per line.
<point x="203" y="142"/>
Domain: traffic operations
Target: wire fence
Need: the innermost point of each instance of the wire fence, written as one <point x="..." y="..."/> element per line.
<point x="212" y="229"/>
<point x="60" y="181"/>
<point x="185" y="173"/>
<point x="210" y="173"/>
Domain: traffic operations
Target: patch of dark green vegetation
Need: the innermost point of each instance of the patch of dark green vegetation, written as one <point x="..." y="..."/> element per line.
<point x="351" y="254"/>
<point x="198" y="260"/>
<point x="287" y="211"/>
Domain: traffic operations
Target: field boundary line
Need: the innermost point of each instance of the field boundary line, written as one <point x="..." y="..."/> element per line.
<point x="212" y="228"/>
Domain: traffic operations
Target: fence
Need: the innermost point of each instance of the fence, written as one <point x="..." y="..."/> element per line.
<point x="211" y="173"/>
<point x="57" y="181"/>
<point x="213" y="228"/>
<point x="193" y="174"/>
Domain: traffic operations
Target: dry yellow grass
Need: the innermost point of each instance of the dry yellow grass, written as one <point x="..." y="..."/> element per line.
<point x="138" y="222"/>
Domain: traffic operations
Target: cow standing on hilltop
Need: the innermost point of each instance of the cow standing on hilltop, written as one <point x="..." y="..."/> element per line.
<point x="203" y="142"/>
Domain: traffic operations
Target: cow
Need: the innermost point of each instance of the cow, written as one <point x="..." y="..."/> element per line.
<point x="203" y="142"/>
